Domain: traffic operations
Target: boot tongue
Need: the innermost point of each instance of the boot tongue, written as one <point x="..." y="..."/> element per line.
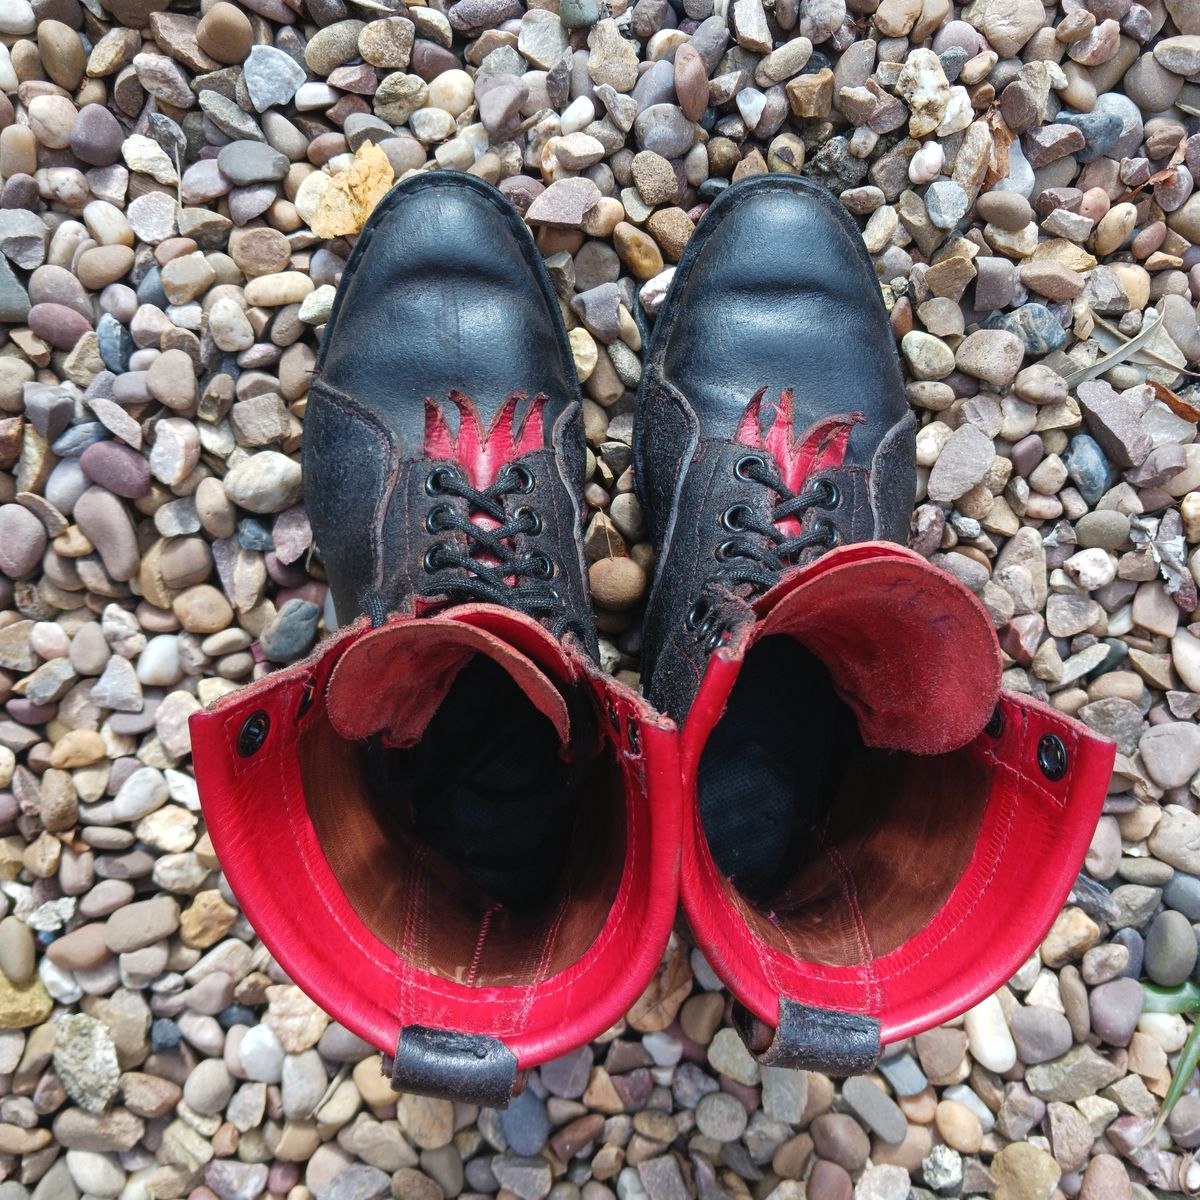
<point x="393" y="679"/>
<point x="909" y="648"/>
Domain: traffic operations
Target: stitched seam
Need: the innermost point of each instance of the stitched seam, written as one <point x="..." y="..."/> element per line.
<point x="484" y="925"/>
<point x="350" y="408"/>
<point x="850" y="891"/>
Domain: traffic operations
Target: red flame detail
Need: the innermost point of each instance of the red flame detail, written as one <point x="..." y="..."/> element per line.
<point x="482" y="452"/>
<point x="821" y="446"/>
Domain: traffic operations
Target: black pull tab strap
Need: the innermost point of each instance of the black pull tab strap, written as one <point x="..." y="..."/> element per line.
<point x="469" y="1067"/>
<point x="813" y="1039"/>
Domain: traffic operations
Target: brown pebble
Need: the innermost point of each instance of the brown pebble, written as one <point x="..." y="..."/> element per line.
<point x="830" y="1181"/>
<point x="637" y="251"/>
<point x="1007" y="210"/>
<point x="202" y="609"/>
<point x="172" y="380"/>
<point x="225" y="33"/>
<point x="102" y="265"/>
<point x="83" y="949"/>
<point x="617" y="583"/>
<point x="62" y="53"/>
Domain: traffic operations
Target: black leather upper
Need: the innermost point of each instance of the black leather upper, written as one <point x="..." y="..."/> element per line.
<point x="445" y="292"/>
<point x="775" y="291"/>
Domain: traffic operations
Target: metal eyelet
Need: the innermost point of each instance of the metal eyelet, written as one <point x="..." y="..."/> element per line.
<point x="253" y="733"/>
<point x="614" y="717"/>
<point x="833" y="493"/>
<point x="726" y="550"/>
<point x="633" y="736"/>
<point x="995" y="726"/>
<point x="829" y="532"/>
<point x="732" y="517"/>
<point x="1052" y="756"/>
<point x="698" y="612"/>
<point x="430" y="561"/>
<point x="307" y="697"/>
<point x="747" y="460"/>
<point x="715" y="638"/>
<point x="544" y="565"/>
<point x="526" y="511"/>
<point x="524" y="478"/>
<point x="434" y="519"/>
<point x="433" y="481"/>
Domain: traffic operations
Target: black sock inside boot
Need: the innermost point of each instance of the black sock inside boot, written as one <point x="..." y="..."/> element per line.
<point x="772" y="766"/>
<point x="487" y="787"/>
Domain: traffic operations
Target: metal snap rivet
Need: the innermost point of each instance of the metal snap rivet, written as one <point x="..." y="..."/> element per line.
<point x="1052" y="756"/>
<point x="253" y="733"/>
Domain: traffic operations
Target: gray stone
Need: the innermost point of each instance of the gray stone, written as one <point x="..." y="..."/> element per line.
<point x="526" y="1178"/>
<point x="1040" y="1034"/>
<point x="876" y="1109"/>
<point x="291" y="632"/>
<point x="86" y="1061"/>
<point x="1170" y="948"/>
<point x="525" y="1124"/>
<point x="272" y="77"/>
<point x="357" y="1182"/>
<point x="946" y="203"/>
<point x="1078" y="1073"/>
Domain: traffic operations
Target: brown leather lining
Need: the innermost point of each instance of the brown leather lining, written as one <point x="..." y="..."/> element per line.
<point x="898" y="838"/>
<point x="426" y="910"/>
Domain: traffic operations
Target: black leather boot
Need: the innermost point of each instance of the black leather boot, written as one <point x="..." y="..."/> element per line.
<point x="859" y="851"/>
<point x="443" y="823"/>
<point x="772" y="422"/>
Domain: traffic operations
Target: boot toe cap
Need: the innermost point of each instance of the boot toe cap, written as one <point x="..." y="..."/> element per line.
<point x="448" y="294"/>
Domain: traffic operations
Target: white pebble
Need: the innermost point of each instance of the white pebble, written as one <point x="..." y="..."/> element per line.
<point x="59" y="982"/>
<point x="452" y="91"/>
<point x="144" y="791"/>
<point x="1169" y="1030"/>
<point x="158" y="665"/>
<point x="988" y="1037"/>
<point x="431" y="125"/>
<point x="926" y="165"/>
<point x="314" y="95"/>
<point x="8" y="73"/>
<point x="228" y="325"/>
<point x="261" y="1055"/>
<point x="1091" y="569"/>
<point x="579" y="113"/>
<point x="16" y="17"/>
<point x="107" y="224"/>
<point x="49" y="640"/>
<point x="97" y="1174"/>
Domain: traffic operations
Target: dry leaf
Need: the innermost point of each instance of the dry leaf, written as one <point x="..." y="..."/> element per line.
<point x="660" y="1003"/>
<point x="1177" y="404"/>
<point x="1161" y="175"/>
<point x="352" y="194"/>
<point x="1002" y="138"/>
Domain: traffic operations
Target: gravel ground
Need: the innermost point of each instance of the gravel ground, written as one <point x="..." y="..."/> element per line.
<point x="180" y="191"/>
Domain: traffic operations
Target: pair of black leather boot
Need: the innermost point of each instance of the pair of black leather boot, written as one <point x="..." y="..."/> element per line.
<point x="465" y="840"/>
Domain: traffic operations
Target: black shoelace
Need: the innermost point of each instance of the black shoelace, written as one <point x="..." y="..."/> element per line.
<point x="519" y="581"/>
<point x="756" y="553"/>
